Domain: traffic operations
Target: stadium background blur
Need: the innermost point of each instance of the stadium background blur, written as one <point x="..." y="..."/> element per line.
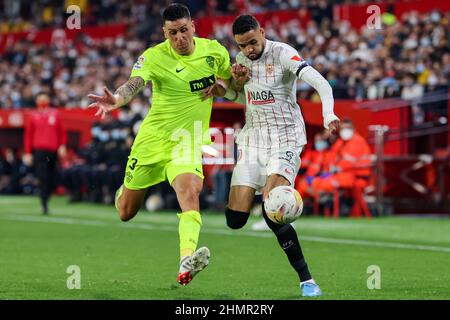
<point x="393" y="83"/>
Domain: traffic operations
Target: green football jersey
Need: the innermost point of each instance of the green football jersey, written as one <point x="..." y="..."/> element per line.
<point x="177" y="109"/>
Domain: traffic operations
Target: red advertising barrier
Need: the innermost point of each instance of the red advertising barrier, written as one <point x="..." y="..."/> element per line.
<point x="79" y="121"/>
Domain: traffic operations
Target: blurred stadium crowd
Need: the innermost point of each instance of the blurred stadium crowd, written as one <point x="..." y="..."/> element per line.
<point x="20" y="15"/>
<point x="407" y="58"/>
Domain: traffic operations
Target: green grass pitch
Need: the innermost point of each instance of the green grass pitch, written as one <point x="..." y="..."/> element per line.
<point x="139" y="259"/>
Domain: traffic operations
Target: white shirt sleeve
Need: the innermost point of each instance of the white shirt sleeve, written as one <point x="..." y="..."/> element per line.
<point x="291" y="60"/>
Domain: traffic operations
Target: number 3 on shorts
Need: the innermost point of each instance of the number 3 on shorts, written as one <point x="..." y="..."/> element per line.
<point x="133" y="163"/>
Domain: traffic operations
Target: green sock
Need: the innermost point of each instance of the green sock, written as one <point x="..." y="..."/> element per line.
<point x="189" y="230"/>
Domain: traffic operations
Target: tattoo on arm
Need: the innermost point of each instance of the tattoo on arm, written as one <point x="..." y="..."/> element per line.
<point x="130" y="88"/>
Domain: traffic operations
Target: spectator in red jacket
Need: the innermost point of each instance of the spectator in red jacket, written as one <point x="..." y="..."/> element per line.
<point x="351" y="161"/>
<point x="45" y="138"/>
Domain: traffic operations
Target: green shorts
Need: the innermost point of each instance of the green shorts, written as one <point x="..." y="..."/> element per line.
<point x="155" y="160"/>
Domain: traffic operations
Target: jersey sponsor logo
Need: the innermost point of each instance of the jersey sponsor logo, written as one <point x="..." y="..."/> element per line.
<point x="296" y="58"/>
<point x="139" y="63"/>
<point x="203" y="83"/>
<point x="260" y="97"/>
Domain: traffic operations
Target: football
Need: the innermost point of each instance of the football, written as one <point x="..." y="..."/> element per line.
<point x="283" y="205"/>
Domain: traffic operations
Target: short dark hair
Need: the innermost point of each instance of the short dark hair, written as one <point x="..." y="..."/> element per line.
<point x="174" y="12"/>
<point x="348" y="121"/>
<point x="244" y="23"/>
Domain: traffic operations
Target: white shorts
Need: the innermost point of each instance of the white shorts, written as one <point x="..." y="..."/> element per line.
<point x="254" y="165"/>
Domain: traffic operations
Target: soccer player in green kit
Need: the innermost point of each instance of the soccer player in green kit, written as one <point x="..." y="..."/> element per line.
<point x="168" y="145"/>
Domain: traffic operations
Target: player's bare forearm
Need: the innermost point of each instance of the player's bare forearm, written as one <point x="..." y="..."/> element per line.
<point x="233" y="84"/>
<point x="236" y="85"/>
<point x="129" y="90"/>
<point x="239" y="77"/>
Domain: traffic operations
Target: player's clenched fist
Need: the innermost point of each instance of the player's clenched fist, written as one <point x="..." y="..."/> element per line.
<point x="240" y="73"/>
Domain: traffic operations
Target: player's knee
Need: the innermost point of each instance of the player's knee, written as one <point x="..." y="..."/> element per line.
<point x="126" y="213"/>
<point x="189" y="193"/>
<point x="236" y="219"/>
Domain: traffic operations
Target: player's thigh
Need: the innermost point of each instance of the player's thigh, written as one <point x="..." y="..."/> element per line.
<point x="187" y="184"/>
<point x="276" y="180"/>
<point x="283" y="166"/>
<point x="250" y="169"/>
<point x="131" y="200"/>
<point x="241" y="198"/>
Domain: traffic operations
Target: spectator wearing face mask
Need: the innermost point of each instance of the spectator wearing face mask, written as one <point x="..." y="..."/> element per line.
<point x="45" y="139"/>
<point x="315" y="164"/>
<point x="351" y="161"/>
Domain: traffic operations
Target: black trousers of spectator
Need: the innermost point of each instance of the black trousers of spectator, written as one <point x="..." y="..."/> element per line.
<point x="46" y="172"/>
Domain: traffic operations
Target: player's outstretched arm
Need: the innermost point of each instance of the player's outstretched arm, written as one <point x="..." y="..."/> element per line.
<point x="221" y="89"/>
<point x="121" y="96"/>
<point x="233" y="88"/>
<point x="312" y="77"/>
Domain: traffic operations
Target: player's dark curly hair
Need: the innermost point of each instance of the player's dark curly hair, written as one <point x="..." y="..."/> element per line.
<point x="175" y="11"/>
<point x="244" y="23"/>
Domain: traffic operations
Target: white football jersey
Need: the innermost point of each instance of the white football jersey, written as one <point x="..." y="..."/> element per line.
<point x="273" y="117"/>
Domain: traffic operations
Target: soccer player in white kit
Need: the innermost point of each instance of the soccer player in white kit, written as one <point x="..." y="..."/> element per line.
<point x="274" y="135"/>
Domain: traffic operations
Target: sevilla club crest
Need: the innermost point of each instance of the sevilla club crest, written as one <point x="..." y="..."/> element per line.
<point x="269" y="69"/>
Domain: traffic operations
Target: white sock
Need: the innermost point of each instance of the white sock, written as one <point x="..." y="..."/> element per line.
<point x="308" y="281"/>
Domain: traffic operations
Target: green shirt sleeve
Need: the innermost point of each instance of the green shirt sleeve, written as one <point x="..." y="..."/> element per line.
<point x="224" y="71"/>
<point x="144" y="67"/>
